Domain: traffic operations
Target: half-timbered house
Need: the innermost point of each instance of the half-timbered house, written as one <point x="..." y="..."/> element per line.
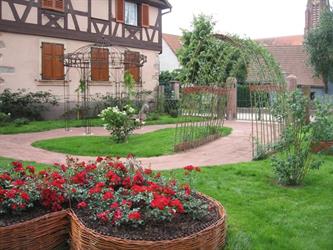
<point x="34" y="34"/>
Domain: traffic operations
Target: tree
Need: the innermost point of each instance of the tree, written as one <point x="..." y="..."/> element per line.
<point x="207" y="60"/>
<point x="319" y="46"/>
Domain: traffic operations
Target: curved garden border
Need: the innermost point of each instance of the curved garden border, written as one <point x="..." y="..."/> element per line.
<point x="42" y="233"/>
<point x="210" y="238"/>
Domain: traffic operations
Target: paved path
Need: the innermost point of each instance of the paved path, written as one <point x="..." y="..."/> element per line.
<point x="234" y="148"/>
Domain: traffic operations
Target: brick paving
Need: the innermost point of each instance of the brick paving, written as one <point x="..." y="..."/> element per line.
<point x="234" y="148"/>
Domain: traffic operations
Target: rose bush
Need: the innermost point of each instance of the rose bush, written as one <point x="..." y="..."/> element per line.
<point x="120" y="123"/>
<point x="111" y="191"/>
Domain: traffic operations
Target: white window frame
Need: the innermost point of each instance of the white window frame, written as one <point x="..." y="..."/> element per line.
<point x="131" y="13"/>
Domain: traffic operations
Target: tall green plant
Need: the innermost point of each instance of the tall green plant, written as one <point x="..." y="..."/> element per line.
<point x="319" y="45"/>
<point x="294" y="160"/>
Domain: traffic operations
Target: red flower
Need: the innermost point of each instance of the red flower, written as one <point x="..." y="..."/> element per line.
<point x="158" y="175"/>
<point x="117" y="215"/>
<point x="148" y="171"/>
<point x="134" y="216"/>
<point x="99" y="159"/>
<point x="108" y="196"/>
<point x="10" y="194"/>
<point x="138" y="178"/>
<point x="113" y="177"/>
<point x="127" y="182"/>
<point x="18" y="182"/>
<point x="189" y="168"/>
<point x="160" y="202"/>
<point x="187" y="189"/>
<point x="63" y="168"/>
<point x="103" y="216"/>
<point x="120" y="166"/>
<point x="127" y="203"/>
<point x="114" y="205"/>
<point x="73" y="190"/>
<point x="5" y="177"/>
<point x="138" y="189"/>
<point x="25" y="196"/>
<point x="80" y="178"/>
<point x="91" y="167"/>
<point x="31" y="169"/>
<point x="43" y="173"/>
<point x="169" y="191"/>
<point x="176" y="203"/>
<point x="82" y="204"/>
<point x="18" y="166"/>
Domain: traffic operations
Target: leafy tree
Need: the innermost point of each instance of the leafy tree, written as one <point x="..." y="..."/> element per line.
<point x="319" y="45"/>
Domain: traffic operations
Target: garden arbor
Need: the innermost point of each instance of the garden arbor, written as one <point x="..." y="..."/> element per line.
<point x="121" y="68"/>
<point x="211" y="100"/>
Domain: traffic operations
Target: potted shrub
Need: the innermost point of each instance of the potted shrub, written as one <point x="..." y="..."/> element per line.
<point x="322" y="127"/>
<point x="124" y="206"/>
<point x="31" y="209"/>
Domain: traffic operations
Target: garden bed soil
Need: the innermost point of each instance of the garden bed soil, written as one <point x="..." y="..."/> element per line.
<point x="8" y="220"/>
<point x="178" y="227"/>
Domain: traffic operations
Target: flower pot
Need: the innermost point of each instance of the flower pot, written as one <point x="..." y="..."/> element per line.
<point x="322" y="146"/>
<point x="45" y="232"/>
<point x="210" y="238"/>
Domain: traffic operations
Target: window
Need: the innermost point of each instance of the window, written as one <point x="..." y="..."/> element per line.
<point x="57" y="5"/>
<point x="52" y="61"/>
<point x="131" y="13"/>
<point x="132" y="64"/>
<point x="99" y="64"/>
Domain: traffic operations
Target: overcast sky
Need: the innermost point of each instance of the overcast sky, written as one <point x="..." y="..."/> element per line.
<point x="250" y="18"/>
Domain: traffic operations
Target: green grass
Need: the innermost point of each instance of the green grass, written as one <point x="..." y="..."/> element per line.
<point x="156" y="143"/>
<point x="264" y="215"/>
<point x="39" y="126"/>
<point x="6" y="163"/>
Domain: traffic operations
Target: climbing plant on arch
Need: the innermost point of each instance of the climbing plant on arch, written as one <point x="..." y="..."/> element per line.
<point x="209" y="60"/>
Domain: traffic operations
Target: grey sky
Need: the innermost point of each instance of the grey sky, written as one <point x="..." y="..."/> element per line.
<point x="250" y="18"/>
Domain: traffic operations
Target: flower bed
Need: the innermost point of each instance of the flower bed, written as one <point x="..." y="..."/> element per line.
<point x="110" y="200"/>
<point x="323" y="146"/>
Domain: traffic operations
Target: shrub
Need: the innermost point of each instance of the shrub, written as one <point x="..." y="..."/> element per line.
<point x="295" y="159"/>
<point x="4" y="118"/>
<point x="22" y="104"/>
<point x="323" y="124"/>
<point x="20" y="122"/>
<point x="120" y="123"/>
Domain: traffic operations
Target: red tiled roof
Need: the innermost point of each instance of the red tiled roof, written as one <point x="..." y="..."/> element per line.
<point x="282" y="41"/>
<point x="173" y="41"/>
<point x="293" y="60"/>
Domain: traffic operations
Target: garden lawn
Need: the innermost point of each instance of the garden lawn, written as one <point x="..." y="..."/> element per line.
<point x="6" y="163"/>
<point x="156" y="143"/>
<point x="38" y="126"/>
<point x="265" y="215"/>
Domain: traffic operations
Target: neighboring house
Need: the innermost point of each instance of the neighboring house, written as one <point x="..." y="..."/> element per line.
<point x="288" y="51"/>
<point x="33" y="31"/>
<point x="168" y="59"/>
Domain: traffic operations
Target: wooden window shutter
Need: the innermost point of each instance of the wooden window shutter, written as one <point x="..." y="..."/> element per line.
<point x="145" y="15"/>
<point x="52" y="61"/>
<point x="58" y="64"/>
<point x="59" y="5"/>
<point x="47" y="4"/>
<point x="99" y="64"/>
<point x="132" y="61"/>
<point x="120" y="10"/>
<point x="47" y="61"/>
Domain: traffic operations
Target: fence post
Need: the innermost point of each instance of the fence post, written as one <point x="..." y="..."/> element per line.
<point x="175" y="87"/>
<point x="307" y="92"/>
<point x="232" y="99"/>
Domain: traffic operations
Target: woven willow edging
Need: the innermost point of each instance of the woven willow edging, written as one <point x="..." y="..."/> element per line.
<point x="43" y="233"/>
<point x="210" y="238"/>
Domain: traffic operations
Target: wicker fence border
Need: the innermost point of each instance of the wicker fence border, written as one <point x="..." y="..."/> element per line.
<point x="210" y="238"/>
<point x="42" y="233"/>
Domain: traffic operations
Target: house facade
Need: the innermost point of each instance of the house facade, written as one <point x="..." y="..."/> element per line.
<point x="168" y="58"/>
<point x="33" y="33"/>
